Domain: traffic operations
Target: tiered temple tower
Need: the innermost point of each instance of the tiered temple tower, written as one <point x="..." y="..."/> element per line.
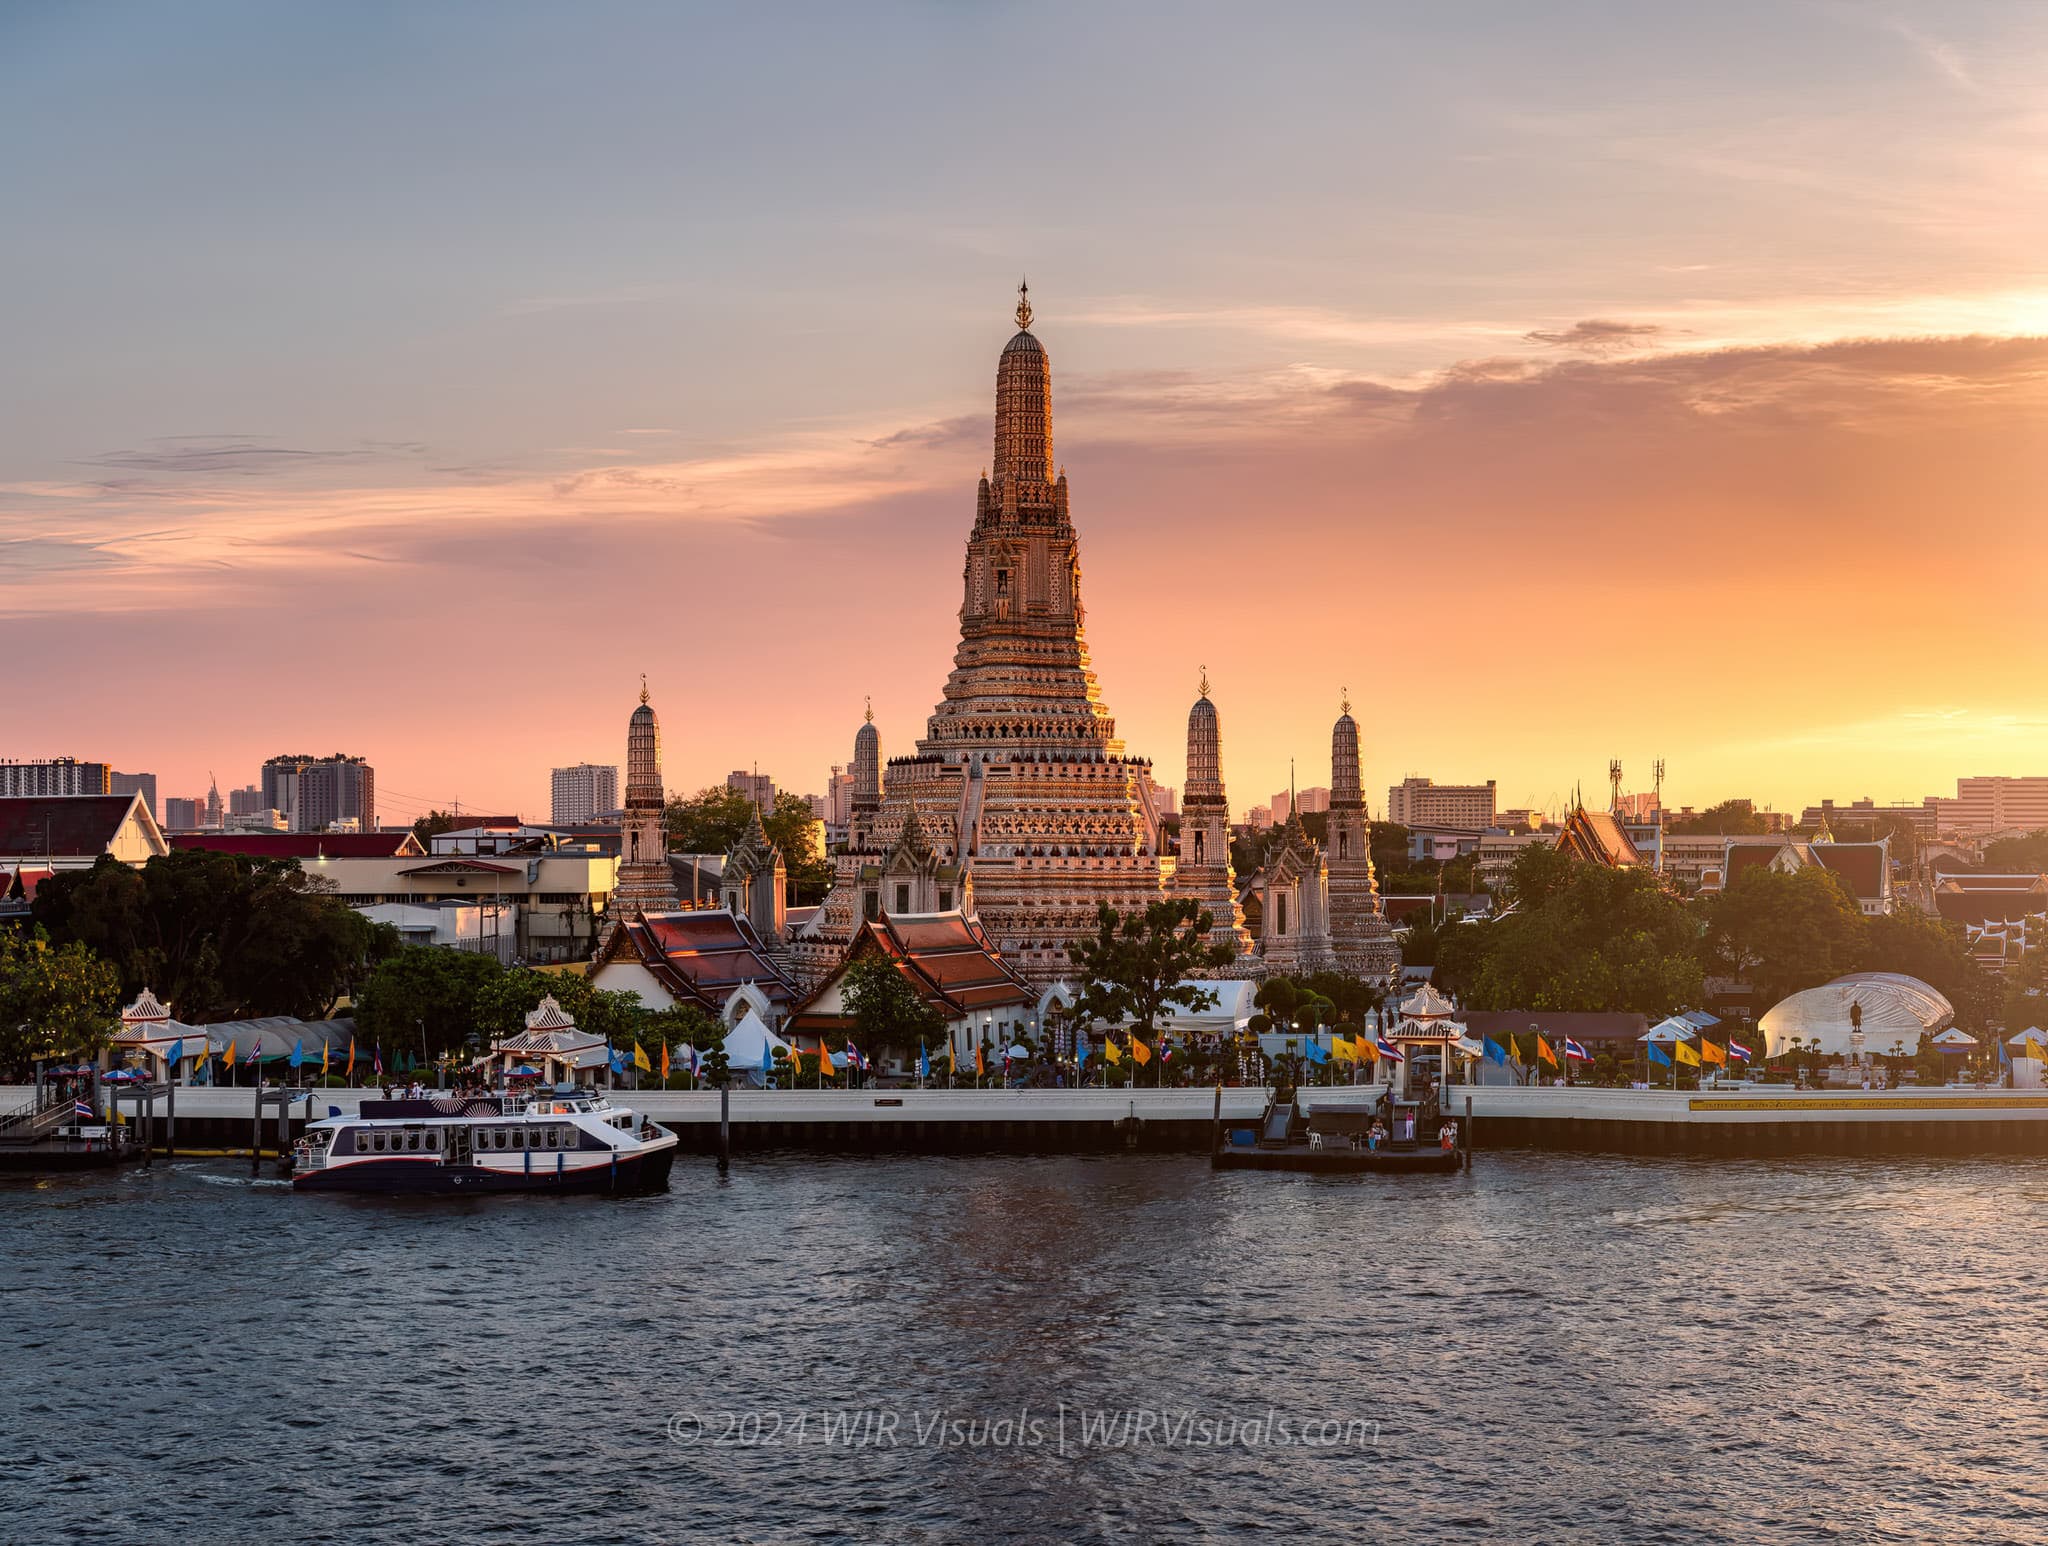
<point x="1360" y="937"/>
<point x="645" y="884"/>
<point x="1203" y="872"/>
<point x="1023" y="793"/>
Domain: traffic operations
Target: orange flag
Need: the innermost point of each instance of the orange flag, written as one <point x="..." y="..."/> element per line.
<point x="1543" y="1050"/>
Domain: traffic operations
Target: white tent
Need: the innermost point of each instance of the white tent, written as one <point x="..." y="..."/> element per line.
<point x="1894" y="1008"/>
<point x="744" y="1044"/>
<point x="1675" y="1029"/>
<point x="1227" y="1016"/>
<point x="1955" y="1037"/>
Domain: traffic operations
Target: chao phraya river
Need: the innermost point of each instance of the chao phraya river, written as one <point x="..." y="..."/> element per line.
<point x="1060" y="1349"/>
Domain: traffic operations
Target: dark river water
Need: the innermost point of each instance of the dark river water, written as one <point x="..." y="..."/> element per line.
<point x="1060" y="1349"/>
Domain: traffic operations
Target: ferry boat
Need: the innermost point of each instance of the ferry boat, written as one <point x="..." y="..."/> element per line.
<point x="568" y="1141"/>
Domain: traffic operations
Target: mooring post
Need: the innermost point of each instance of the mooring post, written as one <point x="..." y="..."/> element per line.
<point x="1216" y="1122"/>
<point x="171" y="1116"/>
<point x="148" y="1115"/>
<point x="1468" y="1132"/>
<point x="284" y="1127"/>
<point x="256" y="1132"/>
<point x="724" y="1126"/>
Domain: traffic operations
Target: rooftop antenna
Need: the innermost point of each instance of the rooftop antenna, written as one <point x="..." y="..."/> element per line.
<point x="1657" y="781"/>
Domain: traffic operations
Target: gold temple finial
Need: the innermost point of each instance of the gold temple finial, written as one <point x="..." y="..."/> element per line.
<point x="643" y="686"/>
<point x="1023" y="303"/>
<point x="1347" y="701"/>
<point x="871" y="711"/>
<point x="1205" y="681"/>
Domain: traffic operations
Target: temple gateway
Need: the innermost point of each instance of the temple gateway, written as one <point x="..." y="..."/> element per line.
<point x="1021" y="807"/>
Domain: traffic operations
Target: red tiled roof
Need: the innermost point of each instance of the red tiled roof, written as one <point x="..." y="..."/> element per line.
<point x="305" y="845"/>
<point x="62" y="826"/>
<point x="1981" y="899"/>
<point x="1862" y="865"/>
<point x="700" y="957"/>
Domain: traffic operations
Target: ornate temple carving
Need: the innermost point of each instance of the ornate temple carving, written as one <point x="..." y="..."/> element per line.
<point x="1360" y="937"/>
<point x="755" y="883"/>
<point x="1203" y="871"/>
<point x="646" y="884"/>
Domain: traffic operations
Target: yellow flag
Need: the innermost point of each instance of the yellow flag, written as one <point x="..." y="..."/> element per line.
<point x="1543" y="1051"/>
<point x="1342" y="1050"/>
<point x="825" y="1061"/>
<point x="980" y="1068"/>
<point x="351" y="1056"/>
<point x="2035" y="1050"/>
<point x="640" y="1059"/>
<point x="1109" y="1051"/>
<point x="1710" y="1052"/>
<point x="1140" y="1051"/>
<point x="323" y="1060"/>
<point x="229" y="1059"/>
<point x="1368" y="1049"/>
<point x="664" y="1060"/>
<point x="1685" y="1054"/>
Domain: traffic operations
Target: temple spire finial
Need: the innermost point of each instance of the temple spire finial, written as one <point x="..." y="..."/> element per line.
<point x="1205" y="681"/>
<point x="1345" y="708"/>
<point x="1023" y="303"/>
<point x="643" y="686"/>
<point x="870" y="716"/>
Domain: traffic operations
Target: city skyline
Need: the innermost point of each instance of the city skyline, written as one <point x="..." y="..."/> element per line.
<point x="1573" y="390"/>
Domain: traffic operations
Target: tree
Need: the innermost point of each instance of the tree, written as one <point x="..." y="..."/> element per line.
<point x="425" y="992"/>
<point x="1135" y="966"/>
<point x="1783" y="932"/>
<point x="887" y="1011"/>
<point x="1540" y="872"/>
<point x="714" y="819"/>
<point x="1733" y="818"/>
<point x="218" y="936"/>
<point x="2027" y="855"/>
<point x="1596" y="939"/>
<point x="1935" y="951"/>
<point x="63" y="1001"/>
<point x="434" y="823"/>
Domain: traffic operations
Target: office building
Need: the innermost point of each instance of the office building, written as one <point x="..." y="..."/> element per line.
<point x="58" y="776"/>
<point x="580" y="793"/>
<point x="1420" y="802"/>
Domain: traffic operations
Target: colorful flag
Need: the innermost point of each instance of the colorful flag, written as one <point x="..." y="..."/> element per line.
<point x="1739" y="1052"/>
<point x="854" y="1059"/>
<point x="81" y="1109"/>
<point x="377" y="1058"/>
<point x="696" y="1060"/>
<point x="1659" y="1055"/>
<point x="767" y="1057"/>
<point x="255" y="1048"/>
<point x="1575" y="1052"/>
<point x="1165" y="1050"/>
<point x="1543" y="1050"/>
<point x="2035" y="1050"/>
<point x="229" y="1056"/>
<point x="1496" y="1052"/>
<point x="980" y="1066"/>
<point x="664" y="1062"/>
<point x="1312" y="1048"/>
<point x="1081" y="1052"/>
<point x="640" y="1059"/>
<point x="323" y="1057"/>
<point x="825" y="1068"/>
<point x="1143" y="1053"/>
<point x="1368" y="1051"/>
<point x="1109" y="1051"/>
<point x="1387" y="1049"/>
<point x="351" y="1069"/>
<point x="924" y="1061"/>
<point x="1343" y="1049"/>
<point x="1710" y="1052"/>
<point x="1684" y="1053"/>
<point x="298" y="1052"/>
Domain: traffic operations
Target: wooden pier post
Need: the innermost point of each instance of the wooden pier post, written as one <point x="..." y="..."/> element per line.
<point x="724" y="1127"/>
<point x="171" y="1116"/>
<point x="1216" y="1122"/>
<point x="256" y="1132"/>
<point x="1468" y="1132"/>
<point x="284" y="1128"/>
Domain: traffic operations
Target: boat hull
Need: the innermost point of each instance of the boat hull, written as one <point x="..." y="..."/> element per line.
<point x="641" y="1171"/>
<point x="1339" y="1162"/>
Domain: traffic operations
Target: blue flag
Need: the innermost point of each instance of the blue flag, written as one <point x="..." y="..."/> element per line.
<point x="618" y="1062"/>
<point x="1495" y="1052"/>
<point x="2004" y="1053"/>
<point x="767" y="1056"/>
<point x="1080" y="1052"/>
<point x="177" y="1052"/>
<point x="1659" y="1055"/>
<point x="924" y="1062"/>
<point x="298" y="1053"/>
<point x="1316" y="1052"/>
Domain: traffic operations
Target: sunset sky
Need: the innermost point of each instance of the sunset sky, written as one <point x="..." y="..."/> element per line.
<point x="1568" y="382"/>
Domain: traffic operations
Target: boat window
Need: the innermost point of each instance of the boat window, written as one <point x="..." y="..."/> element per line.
<point x="434" y="1140"/>
<point x="377" y="1143"/>
<point x="412" y="1141"/>
<point x="501" y="1139"/>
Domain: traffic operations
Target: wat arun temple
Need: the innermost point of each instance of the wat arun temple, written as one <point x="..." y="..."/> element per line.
<point x="1022" y="808"/>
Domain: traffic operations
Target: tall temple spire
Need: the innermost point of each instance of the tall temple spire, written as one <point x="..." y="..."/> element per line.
<point x="1024" y="303"/>
<point x="1023" y="448"/>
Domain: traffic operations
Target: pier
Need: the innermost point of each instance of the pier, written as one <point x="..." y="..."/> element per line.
<point x="1751" y="1121"/>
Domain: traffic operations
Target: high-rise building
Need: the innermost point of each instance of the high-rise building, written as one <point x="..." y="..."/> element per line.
<point x="247" y="801"/>
<point x="58" y="776"/>
<point x="143" y="784"/>
<point x="757" y="786"/>
<point x="580" y="793"/>
<point x="279" y="789"/>
<point x="838" y="797"/>
<point x="1994" y="804"/>
<point x="335" y="789"/>
<point x="216" y="814"/>
<point x="184" y="815"/>
<point x="1418" y="802"/>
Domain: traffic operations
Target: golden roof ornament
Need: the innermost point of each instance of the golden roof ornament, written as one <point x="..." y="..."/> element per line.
<point x="870" y="716"/>
<point x="1205" y="681"/>
<point x="643" y="686"/>
<point x="1023" y="303"/>
<point x="1345" y="706"/>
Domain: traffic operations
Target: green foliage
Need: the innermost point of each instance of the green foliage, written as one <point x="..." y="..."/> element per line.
<point x="217" y="936"/>
<point x="1540" y="873"/>
<point x="2026" y="855"/>
<point x="1133" y="967"/>
<point x="63" y="1001"/>
<point x="1735" y="818"/>
<point x="1935" y="951"/>
<point x="434" y="823"/>
<point x="1785" y="932"/>
<point x="714" y="819"/>
<point x="437" y="989"/>
<point x="1592" y="939"/>
<point x="887" y="1011"/>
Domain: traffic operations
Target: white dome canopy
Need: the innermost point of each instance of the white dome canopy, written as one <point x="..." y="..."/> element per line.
<point x="1895" y="1008"/>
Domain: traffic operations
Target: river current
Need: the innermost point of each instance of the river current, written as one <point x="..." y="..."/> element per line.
<point x="1547" y="1348"/>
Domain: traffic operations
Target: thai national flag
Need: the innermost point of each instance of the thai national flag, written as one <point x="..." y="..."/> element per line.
<point x="853" y="1056"/>
<point x="80" y="1108"/>
<point x="1389" y="1050"/>
<point x="1737" y="1050"/>
<point x="1576" y="1052"/>
<point x="696" y="1063"/>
